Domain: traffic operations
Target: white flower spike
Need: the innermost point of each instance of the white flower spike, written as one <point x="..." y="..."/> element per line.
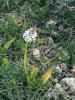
<point x="30" y="35"/>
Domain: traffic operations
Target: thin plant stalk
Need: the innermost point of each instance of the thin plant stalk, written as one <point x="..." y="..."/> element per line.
<point x="57" y="54"/>
<point x="25" y="67"/>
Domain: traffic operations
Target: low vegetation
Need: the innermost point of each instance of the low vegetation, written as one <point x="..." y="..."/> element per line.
<point x="35" y="37"/>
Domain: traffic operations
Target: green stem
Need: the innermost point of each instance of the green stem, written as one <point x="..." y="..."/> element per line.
<point x="57" y="55"/>
<point x="25" y="67"/>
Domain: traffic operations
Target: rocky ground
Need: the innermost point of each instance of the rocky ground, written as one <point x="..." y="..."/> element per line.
<point x="64" y="89"/>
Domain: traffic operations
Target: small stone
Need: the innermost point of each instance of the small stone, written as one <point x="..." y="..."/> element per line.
<point x="54" y="33"/>
<point x="74" y="67"/>
<point x="50" y="22"/>
<point x="58" y="69"/>
<point x="36" y="53"/>
<point x="70" y="82"/>
<point x="51" y="41"/>
<point x="61" y="27"/>
<point x="63" y="65"/>
<point x="58" y="86"/>
<point x="73" y="71"/>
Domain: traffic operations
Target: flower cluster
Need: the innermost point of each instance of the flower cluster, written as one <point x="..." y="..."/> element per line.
<point x="30" y="34"/>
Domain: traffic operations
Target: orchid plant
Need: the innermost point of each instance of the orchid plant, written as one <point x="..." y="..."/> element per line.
<point x="29" y="36"/>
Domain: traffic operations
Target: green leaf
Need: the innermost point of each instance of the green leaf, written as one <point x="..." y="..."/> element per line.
<point x="71" y="48"/>
<point x="5" y="63"/>
<point x="73" y="59"/>
<point x="43" y="31"/>
<point x="64" y="56"/>
<point x="26" y="8"/>
<point x="33" y="73"/>
<point x="38" y="1"/>
<point x="1" y="49"/>
<point x="7" y="45"/>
